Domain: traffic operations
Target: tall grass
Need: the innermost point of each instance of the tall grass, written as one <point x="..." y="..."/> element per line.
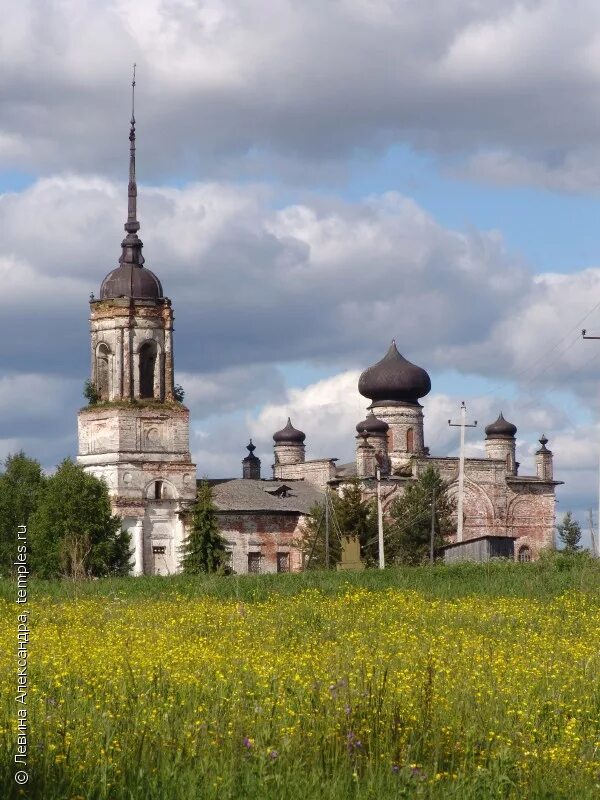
<point x="552" y="575"/>
<point x="464" y="682"/>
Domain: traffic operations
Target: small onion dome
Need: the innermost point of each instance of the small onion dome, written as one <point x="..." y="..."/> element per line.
<point x="500" y="429"/>
<point x="131" y="280"/>
<point x="372" y="425"/>
<point x="289" y="435"/>
<point x="394" y="379"/>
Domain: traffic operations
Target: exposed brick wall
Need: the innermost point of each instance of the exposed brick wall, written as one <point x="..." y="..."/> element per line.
<point x="264" y="533"/>
<point x="495" y="500"/>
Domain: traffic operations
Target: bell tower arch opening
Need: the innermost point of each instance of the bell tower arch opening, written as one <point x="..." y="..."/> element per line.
<point x="148" y="364"/>
<point x="103" y="371"/>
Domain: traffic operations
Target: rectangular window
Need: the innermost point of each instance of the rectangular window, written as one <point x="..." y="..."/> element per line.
<point x="254" y="563"/>
<point x="283" y="562"/>
<point x="159" y="550"/>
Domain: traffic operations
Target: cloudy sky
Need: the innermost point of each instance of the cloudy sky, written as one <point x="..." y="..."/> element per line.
<point x="315" y="179"/>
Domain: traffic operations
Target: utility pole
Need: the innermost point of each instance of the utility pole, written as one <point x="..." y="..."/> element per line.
<point x="379" y="518"/>
<point x="592" y="533"/>
<point x="595" y="545"/>
<point x="461" y="467"/>
<point x="432" y="537"/>
<point x="326" y="528"/>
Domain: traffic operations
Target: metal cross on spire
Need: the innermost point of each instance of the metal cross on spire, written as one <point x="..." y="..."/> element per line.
<point x="133" y="96"/>
<point x="461" y="468"/>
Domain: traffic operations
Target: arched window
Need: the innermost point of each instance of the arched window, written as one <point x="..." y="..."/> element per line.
<point x="102" y="371"/>
<point x="148" y="353"/>
<point x="410" y="440"/>
<point x="524" y="553"/>
<point x="158" y="490"/>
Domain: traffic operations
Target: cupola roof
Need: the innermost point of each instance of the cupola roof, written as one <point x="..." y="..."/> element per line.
<point x="543" y="441"/>
<point x="372" y="425"/>
<point x="500" y="429"/>
<point x="394" y="379"/>
<point x="289" y="435"/>
<point x="251" y="457"/>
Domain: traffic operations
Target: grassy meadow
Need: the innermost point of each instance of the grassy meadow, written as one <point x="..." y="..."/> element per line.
<point x="460" y="682"/>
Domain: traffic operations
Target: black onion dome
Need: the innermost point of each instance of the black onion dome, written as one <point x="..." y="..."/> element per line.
<point x="289" y="435"/>
<point x="372" y="425"/>
<point x="131" y="280"/>
<point x="500" y="429"/>
<point x="394" y="379"/>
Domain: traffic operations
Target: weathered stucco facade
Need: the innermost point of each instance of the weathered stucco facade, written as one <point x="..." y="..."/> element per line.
<point x="134" y="434"/>
<point x="262" y="520"/>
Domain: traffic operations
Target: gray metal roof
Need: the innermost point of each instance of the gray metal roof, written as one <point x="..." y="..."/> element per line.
<point x="345" y="470"/>
<point x="243" y="494"/>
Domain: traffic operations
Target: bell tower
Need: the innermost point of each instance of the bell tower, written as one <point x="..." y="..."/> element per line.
<point x="134" y="434"/>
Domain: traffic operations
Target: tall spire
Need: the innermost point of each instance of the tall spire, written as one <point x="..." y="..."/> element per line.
<point x="132" y="244"/>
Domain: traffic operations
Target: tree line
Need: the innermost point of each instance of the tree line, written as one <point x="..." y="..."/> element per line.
<point x="72" y="531"/>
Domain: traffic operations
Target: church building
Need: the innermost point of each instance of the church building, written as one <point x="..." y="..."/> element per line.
<point x="134" y="435"/>
<point x="497" y="500"/>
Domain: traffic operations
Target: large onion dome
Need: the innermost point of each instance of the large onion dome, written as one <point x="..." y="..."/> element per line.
<point x="500" y="429"/>
<point x="394" y="379"/>
<point x="289" y="435"/>
<point x="372" y="425"/>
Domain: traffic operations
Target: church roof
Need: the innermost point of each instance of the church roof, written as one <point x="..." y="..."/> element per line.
<point x="394" y="379"/>
<point x="246" y="494"/>
<point x="251" y="447"/>
<point x="500" y="429"/>
<point x="131" y="280"/>
<point x="289" y="435"/>
<point x="372" y="424"/>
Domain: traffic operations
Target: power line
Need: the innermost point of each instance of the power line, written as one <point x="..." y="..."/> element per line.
<point x="547" y="365"/>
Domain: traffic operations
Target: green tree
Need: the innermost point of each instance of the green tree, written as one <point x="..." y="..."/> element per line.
<point x="91" y="393"/>
<point x="408" y="532"/>
<point x="73" y="530"/>
<point x="204" y="549"/>
<point x="569" y="533"/>
<point x="350" y="513"/>
<point x="20" y="487"/>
